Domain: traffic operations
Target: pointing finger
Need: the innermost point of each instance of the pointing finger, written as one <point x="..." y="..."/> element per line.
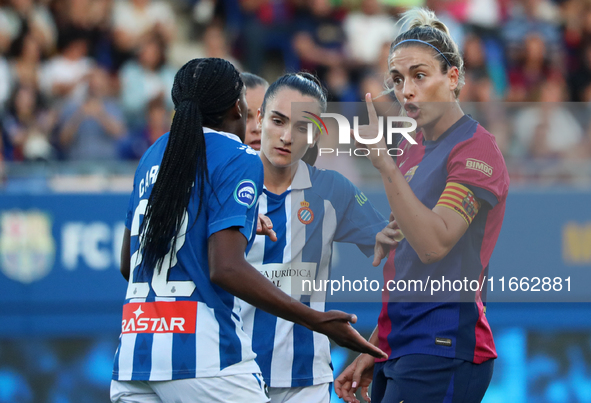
<point x="371" y="110"/>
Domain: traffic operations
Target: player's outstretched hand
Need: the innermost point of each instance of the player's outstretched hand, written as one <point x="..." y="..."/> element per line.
<point x="265" y="227"/>
<point x="386" y="239"/>
<point x="358" y="374"/>
<point x="337" y="326"/>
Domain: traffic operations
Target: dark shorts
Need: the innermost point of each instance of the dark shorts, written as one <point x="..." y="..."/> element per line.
<point x="419" y="378"/>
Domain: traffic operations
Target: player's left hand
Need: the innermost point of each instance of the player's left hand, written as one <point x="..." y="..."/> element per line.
<point x="378" y="154"/>
<point x="337" y="326"/>
<point x="358" y="374"/>
<point x="386" y="239"/>
<point x="265" y="227"/>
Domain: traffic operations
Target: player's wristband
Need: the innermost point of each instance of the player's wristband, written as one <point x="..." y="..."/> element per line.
<point x="461" y="200"/>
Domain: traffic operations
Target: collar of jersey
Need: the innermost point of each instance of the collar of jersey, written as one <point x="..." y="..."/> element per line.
<point x="451" y="129"/>
<point x="225" y="134"/>
<point x="301" y="179"/>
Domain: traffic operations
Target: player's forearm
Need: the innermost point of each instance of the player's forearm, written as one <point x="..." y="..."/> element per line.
<point x="245" y="282"/>
<point x="424" y="229"/>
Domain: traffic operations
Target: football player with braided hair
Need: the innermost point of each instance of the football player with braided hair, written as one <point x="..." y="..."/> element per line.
<point x="191" y="220"/>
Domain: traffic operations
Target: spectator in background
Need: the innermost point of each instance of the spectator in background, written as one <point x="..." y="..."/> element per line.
<point x="22" y="18"/>
<point x="5" y="82"/>
<point x="320" y="39"/>
<point x="2" y="165"/>
<point x="27" y="126"/>
<point x="532" y="17"/>
<point x="485" y="15"/>
<point x="133" y="20"/>
<point x="88" y="19"/>
<point x="146" y="78"/>
<point x="157" y="122"/>
<point x="580" y="79"/>
<point x="573" y="13"/>
<point x="64" y="75"/>
<point x="548" y="130"/>
<point x="534" y="68"/>
<point x="474" y="55"/>
<point x="90" y="129"/>
<point x="367" y="30"/>
<point x="25" y="68"/>
<point x="214" y="41"/>
<point x="268" y="25"/>
<point x="339" y="85"/>
<point x="478" y="86"/>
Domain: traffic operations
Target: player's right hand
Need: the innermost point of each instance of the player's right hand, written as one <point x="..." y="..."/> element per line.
<point x="378" y="158"/>
<point x="358" y="374"/>
<point x="337" y="326"/>
<point x="265" y="227"/>
<point x="386" y="239"/>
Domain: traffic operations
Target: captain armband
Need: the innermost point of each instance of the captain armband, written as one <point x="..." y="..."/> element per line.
<point x="461" y="200"/>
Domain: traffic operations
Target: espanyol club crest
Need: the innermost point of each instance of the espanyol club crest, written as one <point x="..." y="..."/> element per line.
<point x="410" y="173"/>
<point x="469" y="205"/>
<point x="305" y="215"/>
<point x="246" y="193"/>
<point x="27" y="247"/>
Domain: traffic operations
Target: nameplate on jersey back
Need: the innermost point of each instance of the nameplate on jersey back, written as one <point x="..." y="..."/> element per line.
<point x="289" y="277"/>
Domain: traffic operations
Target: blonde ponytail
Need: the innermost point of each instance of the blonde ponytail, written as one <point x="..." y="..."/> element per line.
<point x="421" y="17"/>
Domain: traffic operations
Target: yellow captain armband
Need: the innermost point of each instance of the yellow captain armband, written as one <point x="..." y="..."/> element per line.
<point x="461" y="200"/>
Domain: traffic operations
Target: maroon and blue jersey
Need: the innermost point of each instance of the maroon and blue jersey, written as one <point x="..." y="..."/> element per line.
<point x="448" y="324"/>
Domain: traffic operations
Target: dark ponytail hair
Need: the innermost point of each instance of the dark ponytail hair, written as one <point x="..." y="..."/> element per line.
<point x="203" y="91"/>
<point x="305" y="84"/>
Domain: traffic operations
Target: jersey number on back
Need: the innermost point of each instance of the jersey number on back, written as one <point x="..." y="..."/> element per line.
<point x="160" y="284"/>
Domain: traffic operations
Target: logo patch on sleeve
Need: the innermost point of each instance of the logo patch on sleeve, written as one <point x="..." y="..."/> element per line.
<point x="480" y="166"/>
<point x="246" y="193"/>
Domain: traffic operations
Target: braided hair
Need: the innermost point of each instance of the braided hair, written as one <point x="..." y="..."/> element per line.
<point x="203" y="91"/>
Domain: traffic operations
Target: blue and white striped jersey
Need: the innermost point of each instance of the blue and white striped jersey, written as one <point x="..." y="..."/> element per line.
<point x="178" y="324"/>
<point x="319" y="208"/>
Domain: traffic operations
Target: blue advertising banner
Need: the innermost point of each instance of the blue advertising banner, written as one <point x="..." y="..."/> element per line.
<point x="59" y="258"/>
<point x="59" y="262"/>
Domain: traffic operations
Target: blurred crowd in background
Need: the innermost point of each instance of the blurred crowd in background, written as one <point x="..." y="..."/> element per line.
<point x="90" y="80"/>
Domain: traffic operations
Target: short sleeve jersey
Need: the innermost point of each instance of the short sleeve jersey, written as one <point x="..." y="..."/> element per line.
<point x="320" y="207"/>
<point x="178" y="324"/>
<point x="451" y="324"/>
